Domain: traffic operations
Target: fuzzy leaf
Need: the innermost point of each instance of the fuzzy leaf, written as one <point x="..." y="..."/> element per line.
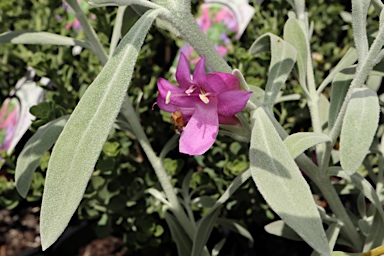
<point x="79" y="145"/>
<point x="359" y="23"/>
<point x="340" y="86"/>
<point x="37" y="145"/>
<point x="33" y="37"/>
<point x="283" y="57"/>
<point x="359" y="127"/>
<point x="297" y="143"/>
<point x="279" y="228"/>
<point x="294" y="34"/>
<point x="282" y="185"/>
<point x="183" y="243"/>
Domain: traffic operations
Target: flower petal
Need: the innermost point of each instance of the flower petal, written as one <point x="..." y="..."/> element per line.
<point x="232" y="102"/>
<point x="201" y="130"/>
<point x="186" y="111"/>
<point x="199" y="76"/>
<point x="174" y="94"/>
<point x="183" y="72"/>
<point x="220" y="82"/>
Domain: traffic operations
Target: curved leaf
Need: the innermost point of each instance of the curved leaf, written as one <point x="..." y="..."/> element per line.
<point x="283" y="57"/>
<point x="359" y="127"/>
<point x="340" y="86"/>
<point x="79" y="145"/>
<point x="282" y="185"/>
<point x="183" y="243"/>
<point x="37" y="145"/>
<point x="297" y="143"/>
<point x="294" y="34"/>
<point x="34" y="37"/>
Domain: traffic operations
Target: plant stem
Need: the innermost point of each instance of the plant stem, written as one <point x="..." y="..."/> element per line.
<point x="160" y="171"/>
<point x="186" y="24"/>
<point x="93" y="40"/>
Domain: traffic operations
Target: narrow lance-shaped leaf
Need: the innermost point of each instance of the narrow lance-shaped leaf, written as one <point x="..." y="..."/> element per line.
<point x="359" y="23"/>
<point x="359" y="127"/>
<point x="340" y="86"/>
<point x="283" y="57"/>
<point x="30" y="156"/>
<point x="79" y="145"/>
<point x="282" y="185"/>
<point x="294" y="34"/>
<point x="33" y="37"/>
<point x="297" y="143"/>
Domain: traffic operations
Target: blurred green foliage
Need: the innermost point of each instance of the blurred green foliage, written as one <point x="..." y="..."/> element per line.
<point x="116" y="198"/>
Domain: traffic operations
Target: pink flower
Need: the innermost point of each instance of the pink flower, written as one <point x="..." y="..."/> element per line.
<point x="200" y="103"/>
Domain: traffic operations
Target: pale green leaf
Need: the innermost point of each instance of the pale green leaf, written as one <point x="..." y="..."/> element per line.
<point x="236" y="227"/>
<point x="33" y="37"/>
<point x="79" y="145"/>
<point x="348" y="60"/>
<point x="297" y="143"/>
<point x="340" y="86"/>
<point x="183" y="243"/>
<point x="324" y="113"/>
<point x="281" y="183"/>
<point x="359" y="24"/>
<point x="332" y="233"/>
<point x="204" y="229"/>
<point x="37" y="145"/>
<point x="279" y="228"/>
<point x="283" y="57"/>
<point x="295" y="35"/>
<point x="358" y="129"/>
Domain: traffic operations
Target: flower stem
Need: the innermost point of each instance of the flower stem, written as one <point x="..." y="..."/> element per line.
<point x="159" y="169"/>
<point x="186" y="24"/>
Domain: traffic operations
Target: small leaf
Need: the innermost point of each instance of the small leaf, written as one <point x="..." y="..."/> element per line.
<point x="34" y="149"/>
<point x="79" y="145"/>
<point x="204" y="229"/>
<point x="234" y="226"/>
<point x="279" y="228"/>
<point x="32" y="37"/>
<point x="297" y="143"/>
<point x="282" y="185"/>
<point x="295" y="35"/>
<point x="283" y="57"/>
<point x="359" y="127"/>
<point x="359" y="23"/>
<point x="183" y="243"/>
<point x="340" y="86"/>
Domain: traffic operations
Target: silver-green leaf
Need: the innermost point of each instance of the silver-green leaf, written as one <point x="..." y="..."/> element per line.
<point x="37" y="145"/>
<point x="34" y="37"/>
<point x="79" y="145"/>
<point x="281" y="183"/>
<point x="297" y="143"/>
<point x="358" y="129"/>
<point x="283" y="57"/>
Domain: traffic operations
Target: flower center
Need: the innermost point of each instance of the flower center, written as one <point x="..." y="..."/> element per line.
<point x="203" y="95"/>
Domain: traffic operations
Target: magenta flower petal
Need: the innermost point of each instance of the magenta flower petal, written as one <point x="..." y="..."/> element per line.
<point x="221" y="82"/>
<point x="201" y="131"/>
<point x="229" y="120"/>
<point x="169" y="92"/>
<point x="232" y="102"/>
<point x="199" y="73"/>
<point x="183" y="72"/>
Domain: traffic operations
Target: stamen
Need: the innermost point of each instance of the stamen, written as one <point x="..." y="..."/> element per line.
<point x="204" y="98"/>
<point x="190" y="90"/>
<point x="168" y="97"/>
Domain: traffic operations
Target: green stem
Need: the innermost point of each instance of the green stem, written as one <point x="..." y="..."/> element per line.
<point x="159" y="169"/>
<point x="93" y="40"/>
<point x="186" y="24"/>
